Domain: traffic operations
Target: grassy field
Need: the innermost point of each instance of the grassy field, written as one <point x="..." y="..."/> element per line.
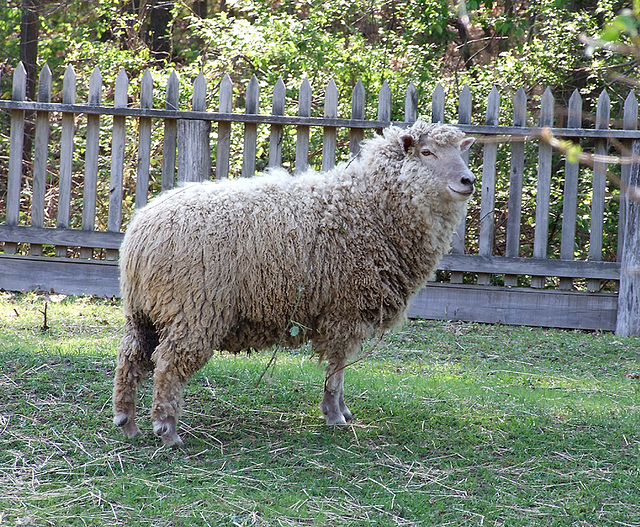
<point x="456" y="424"/>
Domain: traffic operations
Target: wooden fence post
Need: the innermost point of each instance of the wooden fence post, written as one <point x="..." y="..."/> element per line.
<point x="629" y="122"/>
<point x="118" y="141"/>
<point x="92" y="153"/>
<point x="144" y="141"/>
<point x="570" y="192"/>
<point x="170" y="134"/>
<point x="516" y="174"/>
<point x="14" y="184"/>
<point x="411" y="104"/>
<point x="250" y="129"/>
<point x="66" y="155"/>
<point x="356" y="135"/>
<point x="302" y="135"/>
<point x="41" y="145"/>
<point x="543" y="187"/>
<point x="330" y="134"/>
<point x="384" y="103"/>
<point x="194" y="154"/>
<point x="465" y="104"/>
<point x="277" y="131"/>
<point x="223" y="147"/>
<point x="599" y="189"/>
<point x="437" y="104"/>
<point x="488" y="182"/>
<point x="628" y="319"/>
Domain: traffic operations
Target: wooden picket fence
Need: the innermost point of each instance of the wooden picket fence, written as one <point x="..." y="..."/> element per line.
<point x="37" y="257"/>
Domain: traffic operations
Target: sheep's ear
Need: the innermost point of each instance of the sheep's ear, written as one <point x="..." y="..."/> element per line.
<point x="407" y="142"/>
<point x="466" y="143"/>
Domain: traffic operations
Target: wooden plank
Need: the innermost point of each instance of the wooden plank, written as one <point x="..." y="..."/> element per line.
<point x="61" y="275"/>
<point x="358" y="101"/>
<point x="437" y="301"/>
<point x="229" y="117"/>
<point x="516" y="172"/>
<point x="194" y="152"/>
<point x="465" y="105"/>
<point x="516" y="306"/>
<point x="450" y="262"/>
<point x="14" y="183"/>
<point x="411" y="104"/>
<point x="437" y="104"/>
<point x="223" y="147"/>
<point x="474" y="263"/>
<point x="66" y="155"/>
<point x="91" y="160"/>
<point x="170" y="138"/>
<point x="144" y="142"/>
<point x="277" y="133"/>
<point x="599" y="188"/>
<point x="330" y="133"/>
<point x="251" y="129"/>
<point x="628" y="321"/>
<point x="384" y="104"/>
<point x="543" y="187"/>
<point x="629" y="122"/>
<point x="570" y="192"/>
<point x="66" y="237"/>
<point x="488" y="191"/>
<point x="118" y="139"/>
<point x="41" y="150"/>
<point x="302" y="134"/>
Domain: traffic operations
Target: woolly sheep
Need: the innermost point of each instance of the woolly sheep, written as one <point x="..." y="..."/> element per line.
<point x="234" y="265"/>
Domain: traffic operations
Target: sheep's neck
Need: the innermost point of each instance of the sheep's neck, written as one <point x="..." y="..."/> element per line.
<point x="420" y="242"/>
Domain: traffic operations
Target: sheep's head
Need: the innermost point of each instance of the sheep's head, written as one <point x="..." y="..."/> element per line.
<point x="439" y="148"/>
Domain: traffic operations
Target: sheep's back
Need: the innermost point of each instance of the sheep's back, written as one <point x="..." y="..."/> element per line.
<point x="218" y="252"/>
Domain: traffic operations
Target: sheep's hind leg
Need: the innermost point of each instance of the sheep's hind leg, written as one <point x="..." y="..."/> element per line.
<point x="173" y="368"/>
<point x="133" y="364"/>
<point x="333" y="406"/>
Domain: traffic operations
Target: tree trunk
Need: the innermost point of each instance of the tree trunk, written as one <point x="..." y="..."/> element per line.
<point x="159" y="38"/>
<point x="200" y="8"/>
<point x="29" y="32"/>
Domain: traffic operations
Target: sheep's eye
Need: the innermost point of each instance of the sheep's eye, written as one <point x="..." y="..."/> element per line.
<point x="426" y="152"/>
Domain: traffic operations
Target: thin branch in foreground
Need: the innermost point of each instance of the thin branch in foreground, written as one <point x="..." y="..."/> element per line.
<point x="570" y="150"/>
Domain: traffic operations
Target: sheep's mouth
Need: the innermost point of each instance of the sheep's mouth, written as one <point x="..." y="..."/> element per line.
<point x="466" y="191"/>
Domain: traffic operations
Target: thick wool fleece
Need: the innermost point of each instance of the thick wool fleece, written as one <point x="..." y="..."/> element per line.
<point x="231" y="265"/>
<point x="223" y="265"/>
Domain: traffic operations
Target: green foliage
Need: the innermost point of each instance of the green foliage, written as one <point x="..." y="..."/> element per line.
<point x="504" y="44"/>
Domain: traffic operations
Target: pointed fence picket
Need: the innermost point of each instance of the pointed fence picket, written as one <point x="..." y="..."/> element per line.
<point x="480" y="280"/>
<point x="516" y="175"/>
<point x="570" y="192"/>
<point x="40" y="157"/>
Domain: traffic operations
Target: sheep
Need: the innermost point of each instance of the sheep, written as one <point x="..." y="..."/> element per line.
<point x="234" y="265"/>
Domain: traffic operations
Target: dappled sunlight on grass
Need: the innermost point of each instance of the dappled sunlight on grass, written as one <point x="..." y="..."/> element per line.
<point x="457" y="424"/>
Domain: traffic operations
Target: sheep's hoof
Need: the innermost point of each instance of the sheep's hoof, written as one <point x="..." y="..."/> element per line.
<point x="346" y="413"/>
<point x="129" y="427"/>
<point x="166" y="430"/>
<point x="336" y="421"/>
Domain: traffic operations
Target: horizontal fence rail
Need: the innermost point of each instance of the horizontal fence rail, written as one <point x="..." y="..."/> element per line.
<point x="517" y="259"/>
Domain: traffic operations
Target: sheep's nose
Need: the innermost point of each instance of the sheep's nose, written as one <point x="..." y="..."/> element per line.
<point x="468" y="179"/>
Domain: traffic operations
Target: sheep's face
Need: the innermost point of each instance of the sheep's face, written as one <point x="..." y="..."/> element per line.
<point x="444" y="161"/>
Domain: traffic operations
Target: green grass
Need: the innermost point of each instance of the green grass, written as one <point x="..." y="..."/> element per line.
<point x="456" y="424"/>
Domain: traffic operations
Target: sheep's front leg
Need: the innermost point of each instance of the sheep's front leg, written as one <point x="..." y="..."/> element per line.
<point x="332" y="405"/>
